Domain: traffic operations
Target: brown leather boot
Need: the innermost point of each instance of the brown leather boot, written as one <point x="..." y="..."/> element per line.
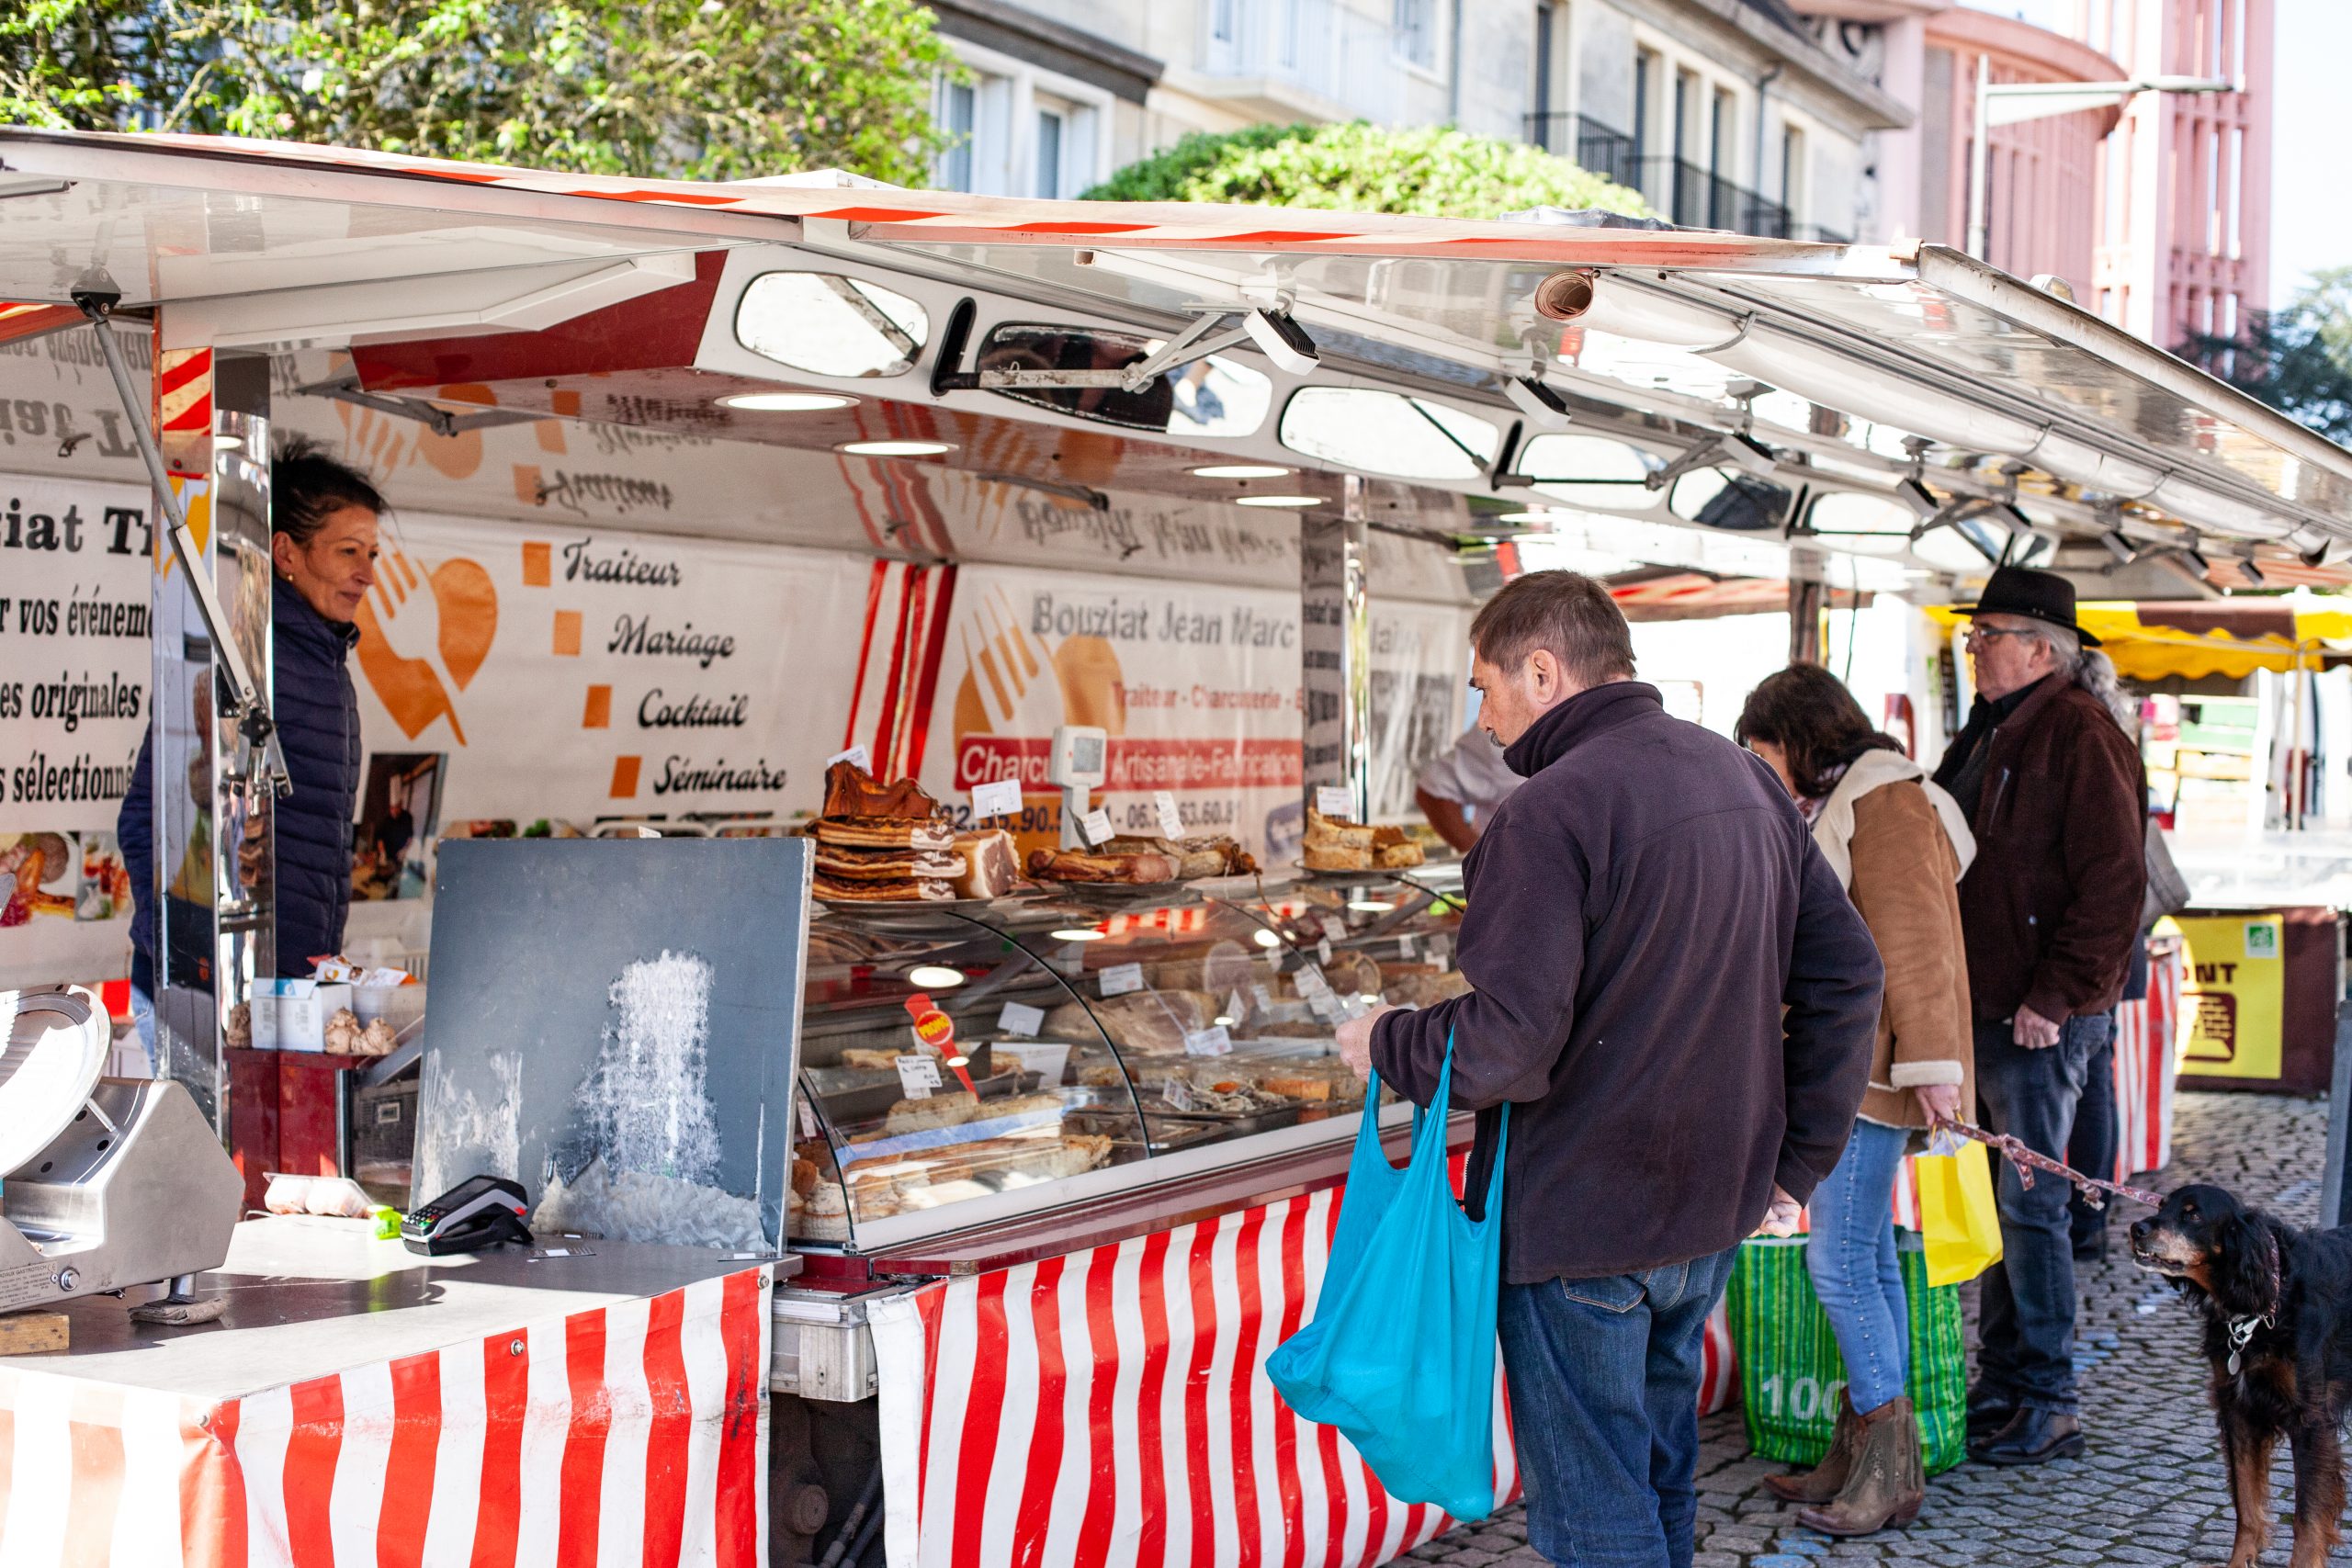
<point x="1887" y="1483"/>
<point x="1822" y="1480"/>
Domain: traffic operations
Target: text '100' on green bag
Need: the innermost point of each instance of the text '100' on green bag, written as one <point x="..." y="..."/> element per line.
<point x="1400" y="1356"/>
<point x="1791" y="1374"/>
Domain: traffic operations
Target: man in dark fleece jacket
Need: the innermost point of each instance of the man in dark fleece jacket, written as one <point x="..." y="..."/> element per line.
<point x="1672" y="990"/>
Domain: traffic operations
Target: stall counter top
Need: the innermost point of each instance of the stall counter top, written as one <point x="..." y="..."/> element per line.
<point x="311" y="1297"/>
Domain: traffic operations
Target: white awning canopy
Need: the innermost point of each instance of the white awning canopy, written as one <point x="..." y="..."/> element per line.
<point x="1912" y="404"/>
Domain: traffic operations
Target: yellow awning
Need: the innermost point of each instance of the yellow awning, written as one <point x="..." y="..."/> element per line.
<point x="2199" y="638"/>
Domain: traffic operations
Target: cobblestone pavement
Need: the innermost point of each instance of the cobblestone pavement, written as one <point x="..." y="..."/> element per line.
<point x="2150" y="1490"/>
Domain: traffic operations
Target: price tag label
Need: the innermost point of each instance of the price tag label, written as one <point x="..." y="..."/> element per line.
<point x="1235" y="1008"/>
<point x="1171" y="821"/>
<point x="1323" y="950"/>
<point x="1311" y="982"/>
<point x="1095" y="826"/>
<point x="917" y="1076"/>
<point x="856" y="756"/>
<point x="1410" y="944"/>
<point x="1178" y="1095"/>
<point x="1121" y="978"/>
<point x="1325" y="1006"/>
<point x="808" y="1120"/>
<point x="999" y="798"/>
<point x="1264" y="998"/>
<point x="1336" y="800"/>
<point x="1335" y="928"/>
<point x="1208" y="1042"/>
<point x="1018" y="1018"/>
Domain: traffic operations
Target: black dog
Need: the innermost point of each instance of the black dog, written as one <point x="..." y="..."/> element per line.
<point x="2277" y="1307"/>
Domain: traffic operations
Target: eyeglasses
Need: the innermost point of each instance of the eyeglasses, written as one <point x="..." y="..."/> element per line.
<point x="1979" y="632"/>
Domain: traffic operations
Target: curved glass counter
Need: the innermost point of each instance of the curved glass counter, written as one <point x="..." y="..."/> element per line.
<point x="966" y="1067"/>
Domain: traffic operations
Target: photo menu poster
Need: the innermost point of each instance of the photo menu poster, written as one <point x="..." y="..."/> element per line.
<point x="74" y="671"/>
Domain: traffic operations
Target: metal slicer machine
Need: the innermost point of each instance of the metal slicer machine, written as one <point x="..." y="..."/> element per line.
<point x="105" y="1183"/>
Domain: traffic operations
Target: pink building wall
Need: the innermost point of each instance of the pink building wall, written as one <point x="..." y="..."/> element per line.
<point x="2044" y="191"/>
<point x="2184" y="189"/>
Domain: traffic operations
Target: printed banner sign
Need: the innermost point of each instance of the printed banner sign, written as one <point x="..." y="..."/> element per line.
<point x="2235" y="995"/>
<point x="577" y="674"/>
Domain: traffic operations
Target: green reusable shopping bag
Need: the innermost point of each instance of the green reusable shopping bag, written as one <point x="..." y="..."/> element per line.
<point x="1791" y="1373"/>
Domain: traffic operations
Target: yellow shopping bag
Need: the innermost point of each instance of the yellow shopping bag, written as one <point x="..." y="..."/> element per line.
<point x="1957" y="1217"/>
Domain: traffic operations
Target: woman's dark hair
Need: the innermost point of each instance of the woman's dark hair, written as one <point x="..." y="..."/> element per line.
<point x="305" y="484"/>
<point x="1810" y="716"/>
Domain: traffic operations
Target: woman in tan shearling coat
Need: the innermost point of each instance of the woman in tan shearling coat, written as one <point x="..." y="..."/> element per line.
<point x="1899" y="843"/>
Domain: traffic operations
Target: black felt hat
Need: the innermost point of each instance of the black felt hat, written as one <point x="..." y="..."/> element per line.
<point x="2037" y="595"/>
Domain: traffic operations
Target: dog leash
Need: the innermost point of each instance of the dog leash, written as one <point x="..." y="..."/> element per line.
<point x="2028" y="1161"/>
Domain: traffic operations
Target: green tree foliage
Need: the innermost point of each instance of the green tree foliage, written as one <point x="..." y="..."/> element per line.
<point x="700" y="89"/>
<point x="2299" y="359"/>
<point x="1360" y="167"/>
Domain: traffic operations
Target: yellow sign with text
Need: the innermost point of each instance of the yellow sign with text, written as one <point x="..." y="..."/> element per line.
<point x="2235" y="995"/>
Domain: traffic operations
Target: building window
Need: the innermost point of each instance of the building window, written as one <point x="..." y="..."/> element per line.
<point x="2238" y="192"/>
<point x="1413" y="26"/>
<point x="1223" y="24"/>
<point x="959" y="117"/>
<point x="1792" y="172"/>
<point x="1542" y="91"/>
<point x="1049" y="156"/>
<point x="1644" y="102"/>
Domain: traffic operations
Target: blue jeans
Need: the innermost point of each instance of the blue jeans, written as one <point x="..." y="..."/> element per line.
<point x="2026" y="1327"/>
<point x="1604" y="1401"/>
<point x="1852" y="1258"/>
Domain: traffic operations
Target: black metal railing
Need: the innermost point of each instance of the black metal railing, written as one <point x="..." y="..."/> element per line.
<point x="1592" y="145"/>
<point x="1679" y="190"/>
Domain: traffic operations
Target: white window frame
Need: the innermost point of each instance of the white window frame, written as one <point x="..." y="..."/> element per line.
<point x="1004" y="141"/>
<point x="1439" y="39"/>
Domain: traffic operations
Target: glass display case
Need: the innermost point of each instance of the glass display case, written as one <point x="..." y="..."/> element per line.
<point x="971" y="1066"/>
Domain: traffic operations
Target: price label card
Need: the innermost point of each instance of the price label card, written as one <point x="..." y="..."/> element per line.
<point x="1410" y="944"/>
<point x="917" y="1076"/>
<point x="1020" y="1018"/>
<point x="1171" y="821"/>
<point x="1323" y="950"/>
<point x="1178" y="1095"/>
<point x="1335" y="928"/>
<point x="1095" y="826"/>
<point x="1001" y="798"/>
<point x="1208" y="1042"/>
<point x="1311" y="982"/>
<point x="1235" y="1008"/>
<point x="808" y="1120"/>
<point x="1443" y="962"/>
<point x="856" y="756"/>
<point x="1121" y="978"/>
<point x="1325" y="1006"/>
<point x="1336" y="800"/>
<point x="1264" y="998"/>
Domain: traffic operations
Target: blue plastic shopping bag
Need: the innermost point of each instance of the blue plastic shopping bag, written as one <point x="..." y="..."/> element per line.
<point x="1400" y="1356"/>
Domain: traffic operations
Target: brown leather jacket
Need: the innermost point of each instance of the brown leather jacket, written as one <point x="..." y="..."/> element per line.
<point x="2051" y="905"/>
<point x="1905" y="875"/>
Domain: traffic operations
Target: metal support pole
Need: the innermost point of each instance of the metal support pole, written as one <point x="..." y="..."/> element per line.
<point x="1335" y="648"/>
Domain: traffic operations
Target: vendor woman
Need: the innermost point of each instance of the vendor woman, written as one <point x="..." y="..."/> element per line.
<point x="324" y="520"/>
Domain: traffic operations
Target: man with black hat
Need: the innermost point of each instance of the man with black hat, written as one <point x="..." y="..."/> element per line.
<point x="2049" y="910"/>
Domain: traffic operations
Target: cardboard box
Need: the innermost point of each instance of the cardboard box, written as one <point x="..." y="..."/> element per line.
<point x="262" y="1007"/>
<point x="303" y="1011"/>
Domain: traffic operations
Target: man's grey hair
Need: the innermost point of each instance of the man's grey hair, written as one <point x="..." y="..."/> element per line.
<point x="2092" y="671"/>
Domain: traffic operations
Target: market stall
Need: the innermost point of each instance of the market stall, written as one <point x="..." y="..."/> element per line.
<point x="1170" y="519"/>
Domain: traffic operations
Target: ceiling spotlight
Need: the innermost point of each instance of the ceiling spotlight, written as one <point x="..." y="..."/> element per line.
<point x="1079" y="933"/>
<point x="896" y="449"/>
<point x="935" y="976"/>
<point x="2252" y="572"/>
<point x="1288" y="500"/>
<point x="1241" y="471"/>
<point x="786" y="402"/>
<point x="1525" y="517"/>
<point x="1266" y="939"/>
<point x="1282" y="340"/>
<point x="1538" y="401"/>
<point x="1744" y="451"/>
<point x="1918" y="498"/>
<point x="2119" y="547"/>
